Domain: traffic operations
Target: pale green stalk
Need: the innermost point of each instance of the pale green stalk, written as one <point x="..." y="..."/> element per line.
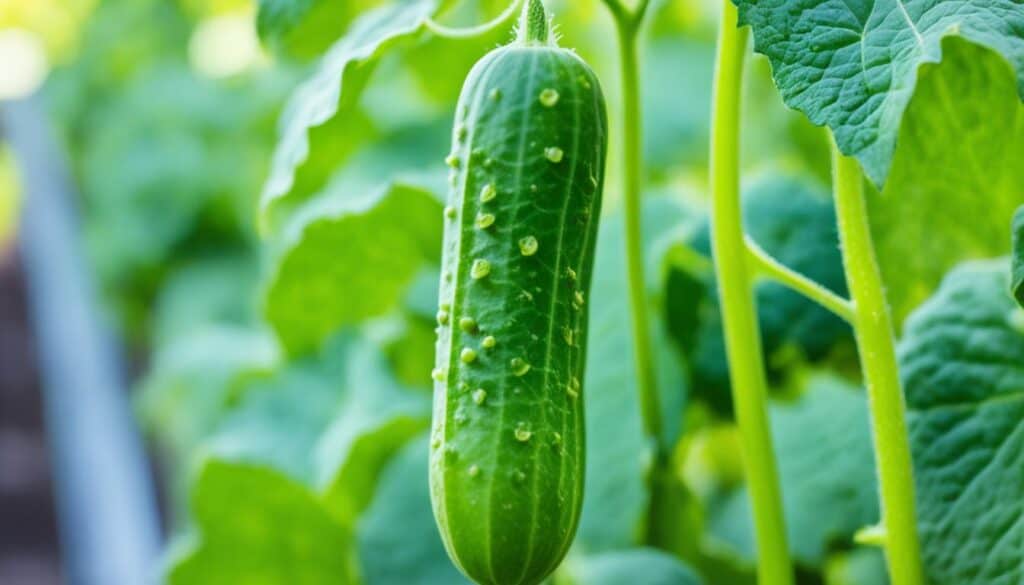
<point x="739" y="313"/>
<point x="873" y="327"/>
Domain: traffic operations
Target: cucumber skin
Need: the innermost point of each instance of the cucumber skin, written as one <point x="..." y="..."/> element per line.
<point x="506" y="472"/>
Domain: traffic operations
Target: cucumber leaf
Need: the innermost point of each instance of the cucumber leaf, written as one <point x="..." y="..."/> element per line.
<point x="397" y="539"/>
<point x="256" y="525"/>
<point x="617" y="454"/>
<point x="1017" y="267"/>
<point x="638" y="565"/>
<point x="853" y="65"/>
<point x="956" y="178"/>
<point x="322" y="124"/>
<point x="346" y="257"/>
<point x="306" y="28"/>
<point x="860" y="566"/>
<point x="962" y="363"/>
<point x="378" y="417"/>
<point x="826" y="466"/>
<point x="793" y="220"/>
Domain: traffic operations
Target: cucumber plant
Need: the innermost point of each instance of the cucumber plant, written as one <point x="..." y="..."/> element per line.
<point x="527" y="167"/>
<point x="320" y="459"/>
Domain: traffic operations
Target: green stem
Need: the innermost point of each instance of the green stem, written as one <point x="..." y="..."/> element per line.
<point x="762" y="262"/>
<point x="881" y="373"/>
<point x="627" y="25"/>
<point x="499" y="21"/>
<point x="739" y="314"/>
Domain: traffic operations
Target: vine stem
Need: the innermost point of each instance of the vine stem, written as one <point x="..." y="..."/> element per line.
<point x="627" y="25"/>
<point x="467" y="33"/>
<point x="739" y="314"/>
<point x="881" y="373"/>
<point x="762" y="262"/>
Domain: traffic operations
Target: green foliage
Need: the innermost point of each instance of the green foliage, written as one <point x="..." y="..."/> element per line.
<point x="826" y="465"/>
<point x="618" y="458"/>
<point x="792" y="219"/>
<point x="306" y="28"/>
<point x="387" y="234"/>
<point x="397" y="538"/>
<point x="258" y="526"/>
<point x="638" y="565"/>
<point x="1017" y="266"/>
<point x="961" y="361"/>
<point x="958" y="144"/>
<point x="322" y="124"/>
<point x="853" y="65"/>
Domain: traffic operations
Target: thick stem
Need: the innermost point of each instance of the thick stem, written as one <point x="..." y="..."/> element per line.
<point x="881" y="373"/>
<point x="650" y="406"/>
<point x="739" y="314"/>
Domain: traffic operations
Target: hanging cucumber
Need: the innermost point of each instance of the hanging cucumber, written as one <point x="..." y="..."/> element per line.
<point x="507" y="449"/>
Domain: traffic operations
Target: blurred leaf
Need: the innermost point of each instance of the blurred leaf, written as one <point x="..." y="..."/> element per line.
<point x="187" y="390"/>
<point x="322" y="125"/>
<point x="257" y="526"/>
<point x="153" y="160"/>
<point x="852" y="66"/>
<point x="633" y="566"/>
<point x="955" y="180"/>
<point x="860" y="566"/>
<point x="676" y="114"/>
<point x="378" y="417"/>
<point x="281" y="418"/>
<point x="306" y="28"/>
<point x="792" y="219"/>
<point x="826" y="467"/>
<point x="1017" y="262"/>
<point x="348" y="257"/>
<point x="398" y="541"/>
<point x="962" y="363"/>
<point x="220" y="289"/>
<point x="618" y="457"/>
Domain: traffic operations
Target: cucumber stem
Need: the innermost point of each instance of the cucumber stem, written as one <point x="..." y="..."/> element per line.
<point x="881" y="372"/>
<point x="739" y="312"/>
<point x="650" y="406"/>
<point x="533" y="24"/>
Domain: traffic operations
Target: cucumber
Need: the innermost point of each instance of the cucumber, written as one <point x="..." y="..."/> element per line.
<point x="507" y="444"/>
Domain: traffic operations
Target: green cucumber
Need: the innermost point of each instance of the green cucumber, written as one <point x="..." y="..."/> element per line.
<point x="507" y="448"/>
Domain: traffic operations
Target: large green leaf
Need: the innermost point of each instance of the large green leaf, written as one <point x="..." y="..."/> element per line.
<point x="306" y="28"/>
<point x="826" y="466"/>
<point x="962" y="362"/>
<point x="633" y="566"/>
<point x="956" y="178"/>
<point x="259" y="527"/>
<point x="349" y="256"/>
<point x="187" y="391"/>
<point x="378" y="417"/>
<point x="397" y="539"/>
<point x="852" y="65"/>
<point x="617" y="453"/>
<point x="322" y="124"/>
<point x="280" y="419"/>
